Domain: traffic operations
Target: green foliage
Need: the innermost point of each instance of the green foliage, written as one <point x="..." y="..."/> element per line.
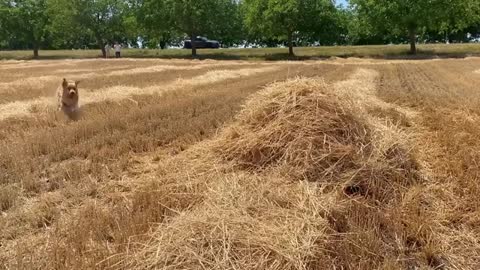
<point x="56" y="24"/>
<point x="329" y="28"/>
<point x="166" y="19"/>
<point x="230" y="29"/>
<point x="65" y="32"/>
<point x="24" y="21"/>
<point x="101" y="20"/>
<point x="4" y="23"/>
<point x="155" y="18"/>
<point x="281" y="19"/>
<point x="398" y="17"/>
<point x="132" y="28"/>
<point x="458" y="15"/>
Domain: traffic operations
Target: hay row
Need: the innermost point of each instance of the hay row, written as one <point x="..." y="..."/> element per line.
<point x="35" y="82"/>
<point x="303" y="179"/>
<point x="116" y="93"/>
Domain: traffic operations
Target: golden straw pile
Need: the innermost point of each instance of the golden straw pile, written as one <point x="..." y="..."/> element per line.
<point x="303" y="179"/>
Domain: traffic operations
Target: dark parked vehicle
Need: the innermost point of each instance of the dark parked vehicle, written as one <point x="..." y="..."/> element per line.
<point x="202" y="42"/>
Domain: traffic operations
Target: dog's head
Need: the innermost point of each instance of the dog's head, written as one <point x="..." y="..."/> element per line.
<point x="70" y="88"/>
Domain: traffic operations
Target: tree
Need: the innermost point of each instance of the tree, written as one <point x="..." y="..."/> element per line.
<point x="327" y="25"/>
<point x="132" y="28"/>
<point x="457" y="15"/>
<point x="155" y="16"/>
<point x="231" y="31"/>
<point x="192" y="17"/>
<point x="397" y="15"/>
<point x="195" y="17"/>
<point x="281" y="19"/>
<point x="102" y="19"/>
<point x="25" y="21"/>
<point x="4" y="12"/>
<point x="411" y="16"/>
<point x="65" y="32"/>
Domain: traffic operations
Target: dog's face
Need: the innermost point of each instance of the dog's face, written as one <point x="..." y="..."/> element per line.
<point x="70" y="88"/>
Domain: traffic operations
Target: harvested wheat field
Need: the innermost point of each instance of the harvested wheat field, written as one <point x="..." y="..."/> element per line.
<point x="179" y="164"/>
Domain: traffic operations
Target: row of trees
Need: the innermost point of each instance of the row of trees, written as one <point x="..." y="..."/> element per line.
<point x="400" y="17"/>
<point x="61" y="24"/>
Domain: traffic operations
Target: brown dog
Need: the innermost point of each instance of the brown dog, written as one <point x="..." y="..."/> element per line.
<point x="67" y="96"/>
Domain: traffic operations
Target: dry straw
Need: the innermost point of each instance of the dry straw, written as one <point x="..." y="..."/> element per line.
<point x="299" y="124"/>
<point x="258" y="211"/>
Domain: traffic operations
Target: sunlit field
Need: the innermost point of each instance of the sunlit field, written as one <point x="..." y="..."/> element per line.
<point x="206" y="164"/>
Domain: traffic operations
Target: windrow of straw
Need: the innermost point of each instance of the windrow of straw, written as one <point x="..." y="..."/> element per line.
<point x="299" y="125"/>
<point x="305" y="178"/>
<point x="307" y="129"/>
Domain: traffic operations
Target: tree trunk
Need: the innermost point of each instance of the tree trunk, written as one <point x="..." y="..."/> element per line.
<point x="290" y="44"/>
<point x="102" y="47"/>
<point x="35" y="50"/>
<point x="413" y="40"/>
<point x="194" y="47"/>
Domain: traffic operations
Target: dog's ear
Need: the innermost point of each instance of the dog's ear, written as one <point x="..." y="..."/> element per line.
<point x="76" y="83"/>
<point x="64" y="83"/>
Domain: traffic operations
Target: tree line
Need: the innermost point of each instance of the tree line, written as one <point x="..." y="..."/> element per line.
<point x="81" y="24"/>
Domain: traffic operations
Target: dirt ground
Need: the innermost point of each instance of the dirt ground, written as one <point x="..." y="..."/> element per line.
<point x="164" y="171"/>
